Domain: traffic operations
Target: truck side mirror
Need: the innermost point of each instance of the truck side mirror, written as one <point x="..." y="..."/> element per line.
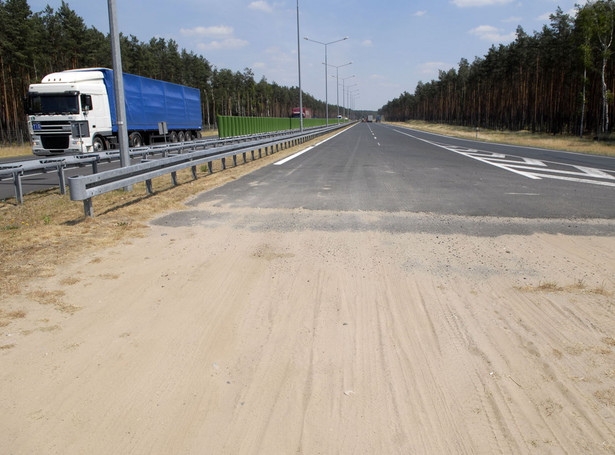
<point x="86" y="102"/>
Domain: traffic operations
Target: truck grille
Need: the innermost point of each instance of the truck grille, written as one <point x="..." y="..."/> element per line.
<point x="54" y="126"/>
<point x="55" y="141"/>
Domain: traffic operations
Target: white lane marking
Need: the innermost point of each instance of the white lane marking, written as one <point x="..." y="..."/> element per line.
<point x="288" y="158"/>
<point x="513" y="164"/>
<point x="504" y="145"/>
<point x="478" y="156"/>
<point x="594" y="172"/>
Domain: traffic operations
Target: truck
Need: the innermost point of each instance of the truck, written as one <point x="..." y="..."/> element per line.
<point x="370" y="118"/>
<point x="73" y="111"/>
<point x="307" y="113"/>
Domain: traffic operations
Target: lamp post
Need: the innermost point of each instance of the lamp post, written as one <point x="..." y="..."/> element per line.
<point x="337" y="80"/>
<point x="348" y="91"/>
<point x="326" y="72"/>
<point x="353" y="95"/>
<point x="299" y="69"/>
<point x="344" y="94"/>
<point x="118" y="80"/>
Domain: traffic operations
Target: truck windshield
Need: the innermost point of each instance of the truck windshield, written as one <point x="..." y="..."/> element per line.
<point x="53" y="103"/>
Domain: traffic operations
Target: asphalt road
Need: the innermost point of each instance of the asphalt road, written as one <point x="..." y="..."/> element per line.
<point x="381" y="168"/>
<point x="488" y="189"/>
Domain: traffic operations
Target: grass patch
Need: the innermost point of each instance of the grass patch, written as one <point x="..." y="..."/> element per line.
<point x="578" y="286"/>
<point x="12" y="151"/>
<point x="523" y="138"/>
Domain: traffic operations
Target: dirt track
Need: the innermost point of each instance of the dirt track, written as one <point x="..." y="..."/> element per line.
<point x="230" y="335"/>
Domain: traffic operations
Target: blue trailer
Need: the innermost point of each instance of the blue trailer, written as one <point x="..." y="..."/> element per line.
<point x="74" y="111"/>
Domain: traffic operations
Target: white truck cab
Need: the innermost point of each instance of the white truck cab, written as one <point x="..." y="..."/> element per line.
<point x="68" y="112"/>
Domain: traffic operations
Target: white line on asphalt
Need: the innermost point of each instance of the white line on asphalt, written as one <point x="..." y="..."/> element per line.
<point x="521" y="168"/>
<point x="288" y="158"/>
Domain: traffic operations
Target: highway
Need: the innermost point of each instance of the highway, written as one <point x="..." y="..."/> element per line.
<point x="381" y="168"/>
<point x="386" y="168"/>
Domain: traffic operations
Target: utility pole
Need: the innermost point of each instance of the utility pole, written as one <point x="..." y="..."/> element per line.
<point x="299" y="65"/>
<point x="118" y="81"/>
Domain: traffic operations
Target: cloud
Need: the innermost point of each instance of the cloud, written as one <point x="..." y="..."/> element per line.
<point x="467" y="3"/>
<point x="492" y="34"/>
<point x="214" y="31"/>
<point x="226" y="44"/>
<point x="431" y="68"/>
<point x="367" y="43"/>
<point x="261" y="5"/>
<point x="513" y="19"/>
<point x="420" y="13"/>
<point x="222" y="36"/>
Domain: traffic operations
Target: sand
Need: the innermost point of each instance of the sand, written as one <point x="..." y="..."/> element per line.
<point x="227" y="334"/>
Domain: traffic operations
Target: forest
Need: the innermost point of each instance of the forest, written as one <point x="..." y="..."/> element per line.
<point x="35" y="44"/>
<point x="560" y="80"/>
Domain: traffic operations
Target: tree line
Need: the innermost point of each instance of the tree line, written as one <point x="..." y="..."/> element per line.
<point x="558" y="80"/>
<point x="35" y="44"/>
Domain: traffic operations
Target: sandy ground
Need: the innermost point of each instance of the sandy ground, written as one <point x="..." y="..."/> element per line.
<point x="229" y="335"/>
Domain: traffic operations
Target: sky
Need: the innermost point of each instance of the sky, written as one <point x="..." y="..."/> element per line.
<point x="391" y="45"/>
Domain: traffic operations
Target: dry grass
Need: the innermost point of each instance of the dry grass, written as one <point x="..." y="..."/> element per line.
<point x="579" y="286"/>
<point x="49" y="229"/>
<point x="523" y="138"/>
<point x="13" y="151"/>
<point x="606" y="396"/>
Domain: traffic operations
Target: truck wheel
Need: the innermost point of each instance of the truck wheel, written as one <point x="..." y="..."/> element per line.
<point x="188" y="136"/>
<point x="181" y="137"/>
<point x="98" y="144"/>
<point x="173" y="137"/>
<point x="135" y="140"/>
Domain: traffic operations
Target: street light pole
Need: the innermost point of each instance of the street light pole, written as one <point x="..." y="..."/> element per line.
<point x="337" y="80"/>
<point x="118" y="81"/>
<point x="344" y="94"/>
<point x="326" y="72"/>
<point x="348" y="95"/>
<point x="299" y="68"/>
<point x="352" y="96"/>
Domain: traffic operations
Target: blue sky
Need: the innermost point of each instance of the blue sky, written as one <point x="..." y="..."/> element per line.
<point x="392" y="44"/>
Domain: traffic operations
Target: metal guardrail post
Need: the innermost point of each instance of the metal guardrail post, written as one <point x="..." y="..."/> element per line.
<point x="61" y="179"/>
<point x="88" y="208"/>
<point x="18" y="187"/>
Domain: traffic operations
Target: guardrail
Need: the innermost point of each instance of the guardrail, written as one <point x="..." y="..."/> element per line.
<point x="18" y="170"/>
<point x="84" y="188"/>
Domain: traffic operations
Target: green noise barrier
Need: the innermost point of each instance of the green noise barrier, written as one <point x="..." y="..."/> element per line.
<point x="240" y="126"/>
